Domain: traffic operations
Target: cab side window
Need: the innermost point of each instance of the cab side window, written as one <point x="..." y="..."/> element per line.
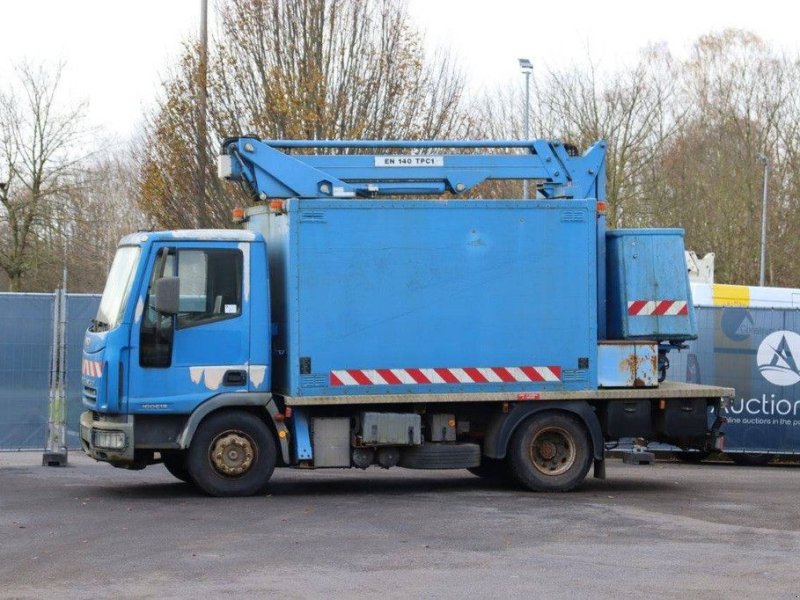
<point x="210" y="290"/>
<point x="210" y="286"/>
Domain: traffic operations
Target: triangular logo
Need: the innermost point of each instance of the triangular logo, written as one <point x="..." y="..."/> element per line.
<point x="783" y="357"/>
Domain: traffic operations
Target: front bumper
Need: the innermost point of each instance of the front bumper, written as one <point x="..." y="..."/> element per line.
<point x="107" y="438"/>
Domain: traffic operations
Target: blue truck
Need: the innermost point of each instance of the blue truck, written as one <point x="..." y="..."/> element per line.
<point x="367" y="315"/>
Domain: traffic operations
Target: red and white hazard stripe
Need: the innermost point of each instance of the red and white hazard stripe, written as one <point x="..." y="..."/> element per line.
<point x="643" y="308"/>
<point x="444" y="375"/>
<point x="92" y="368"/>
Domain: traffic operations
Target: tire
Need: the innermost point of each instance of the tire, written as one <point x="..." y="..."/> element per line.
<point x="550" y="452"/>
<point x="441" y="456"/>
<point x="175" y="463"/>
<point x="233" y="453"/>
<point x="493" y="469"/>
<point x="751" y="460"/>
<point x="693" y="458"/>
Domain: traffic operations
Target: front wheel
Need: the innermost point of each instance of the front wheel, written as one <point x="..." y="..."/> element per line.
<point x="232" y="454"/>
<point x="550" y="452"/>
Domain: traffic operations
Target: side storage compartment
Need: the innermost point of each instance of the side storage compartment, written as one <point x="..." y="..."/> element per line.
<point x="686" y="417"/>
<point x="648" y="294"/>
<point x="626" y="418"/>
<point x="390" y="429"/>
<point x="441" y="427"/>
<point x="331" y="438"/>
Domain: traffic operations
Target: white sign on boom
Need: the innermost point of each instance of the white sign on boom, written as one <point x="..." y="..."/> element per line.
<point x="409" y="161"/>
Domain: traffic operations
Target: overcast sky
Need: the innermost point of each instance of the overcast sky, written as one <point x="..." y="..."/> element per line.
<point x="117" y="52"/>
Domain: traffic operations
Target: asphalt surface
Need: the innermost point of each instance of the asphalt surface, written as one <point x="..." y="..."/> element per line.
<point x="667" y="531"/>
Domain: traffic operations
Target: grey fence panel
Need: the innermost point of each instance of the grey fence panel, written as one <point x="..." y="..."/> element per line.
<point x="26" y="331"/>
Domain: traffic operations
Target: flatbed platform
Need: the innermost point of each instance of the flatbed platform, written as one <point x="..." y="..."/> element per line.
<point x="666" y="390"/>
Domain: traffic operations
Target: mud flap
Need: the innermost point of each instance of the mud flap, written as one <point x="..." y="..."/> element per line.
<point x="717" y="441"/>
<point x="599" y="468"/>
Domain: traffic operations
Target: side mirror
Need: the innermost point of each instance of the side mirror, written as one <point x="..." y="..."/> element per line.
<point x="167" y="295"/>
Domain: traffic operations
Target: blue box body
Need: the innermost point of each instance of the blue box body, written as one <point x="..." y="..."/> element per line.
<point x="647" y="265"/>
<point x="367" y="285"/>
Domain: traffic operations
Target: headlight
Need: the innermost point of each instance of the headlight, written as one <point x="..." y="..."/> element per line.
<point x="109" y="440"/>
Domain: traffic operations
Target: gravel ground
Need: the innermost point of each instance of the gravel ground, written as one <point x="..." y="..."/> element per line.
<point x="667" y="530"/>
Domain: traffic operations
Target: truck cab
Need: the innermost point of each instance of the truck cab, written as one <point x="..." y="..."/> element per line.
<point x="173" y="329"/>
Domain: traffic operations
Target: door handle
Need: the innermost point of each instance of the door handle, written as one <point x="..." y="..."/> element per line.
<point x="234" y="378"/>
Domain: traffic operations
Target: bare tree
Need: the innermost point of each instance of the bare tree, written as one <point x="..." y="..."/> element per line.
<point x="633" y="109"/>
<point x="317" y="69"/>
<point x="741" y="100"/>
<point x="38" y="163"/>
<point x="683" y="140"/>
<point x="98" y="212"/>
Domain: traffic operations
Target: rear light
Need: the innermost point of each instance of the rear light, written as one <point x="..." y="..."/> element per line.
<point x="277" y="207"/>
<point x="237" y="215"/>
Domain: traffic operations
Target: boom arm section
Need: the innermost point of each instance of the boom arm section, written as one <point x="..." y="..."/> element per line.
<point x="271" y="172"/>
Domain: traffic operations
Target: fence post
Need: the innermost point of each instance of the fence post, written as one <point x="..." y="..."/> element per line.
<point x="55" y="453"/>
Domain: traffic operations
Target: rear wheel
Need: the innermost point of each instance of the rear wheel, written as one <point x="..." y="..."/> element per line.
<point x="232" y="454"/>
<point x="751" y="460"/>
<point x="175" y="463"/>
<point x="550" y="452"/>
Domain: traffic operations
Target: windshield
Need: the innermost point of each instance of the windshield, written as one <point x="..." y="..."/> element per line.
<point x="118" y="286"/>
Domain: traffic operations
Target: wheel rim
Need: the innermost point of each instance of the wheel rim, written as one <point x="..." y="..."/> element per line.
<point x="552" y="451"/>
<point x="232" y="453"/>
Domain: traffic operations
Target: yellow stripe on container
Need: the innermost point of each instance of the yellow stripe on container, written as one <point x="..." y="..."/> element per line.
<point x="731" y="295"/>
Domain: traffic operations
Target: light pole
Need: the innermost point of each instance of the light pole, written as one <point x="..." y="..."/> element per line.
<point x="762" y="158"/>
<point x="527" y="69"/>
<point x="202" y="213"/>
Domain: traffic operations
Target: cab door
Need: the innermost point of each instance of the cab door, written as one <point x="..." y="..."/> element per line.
<point x="178" y="361"/>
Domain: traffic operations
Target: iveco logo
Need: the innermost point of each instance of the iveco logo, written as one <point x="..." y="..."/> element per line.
<point x="776" y="358"/>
